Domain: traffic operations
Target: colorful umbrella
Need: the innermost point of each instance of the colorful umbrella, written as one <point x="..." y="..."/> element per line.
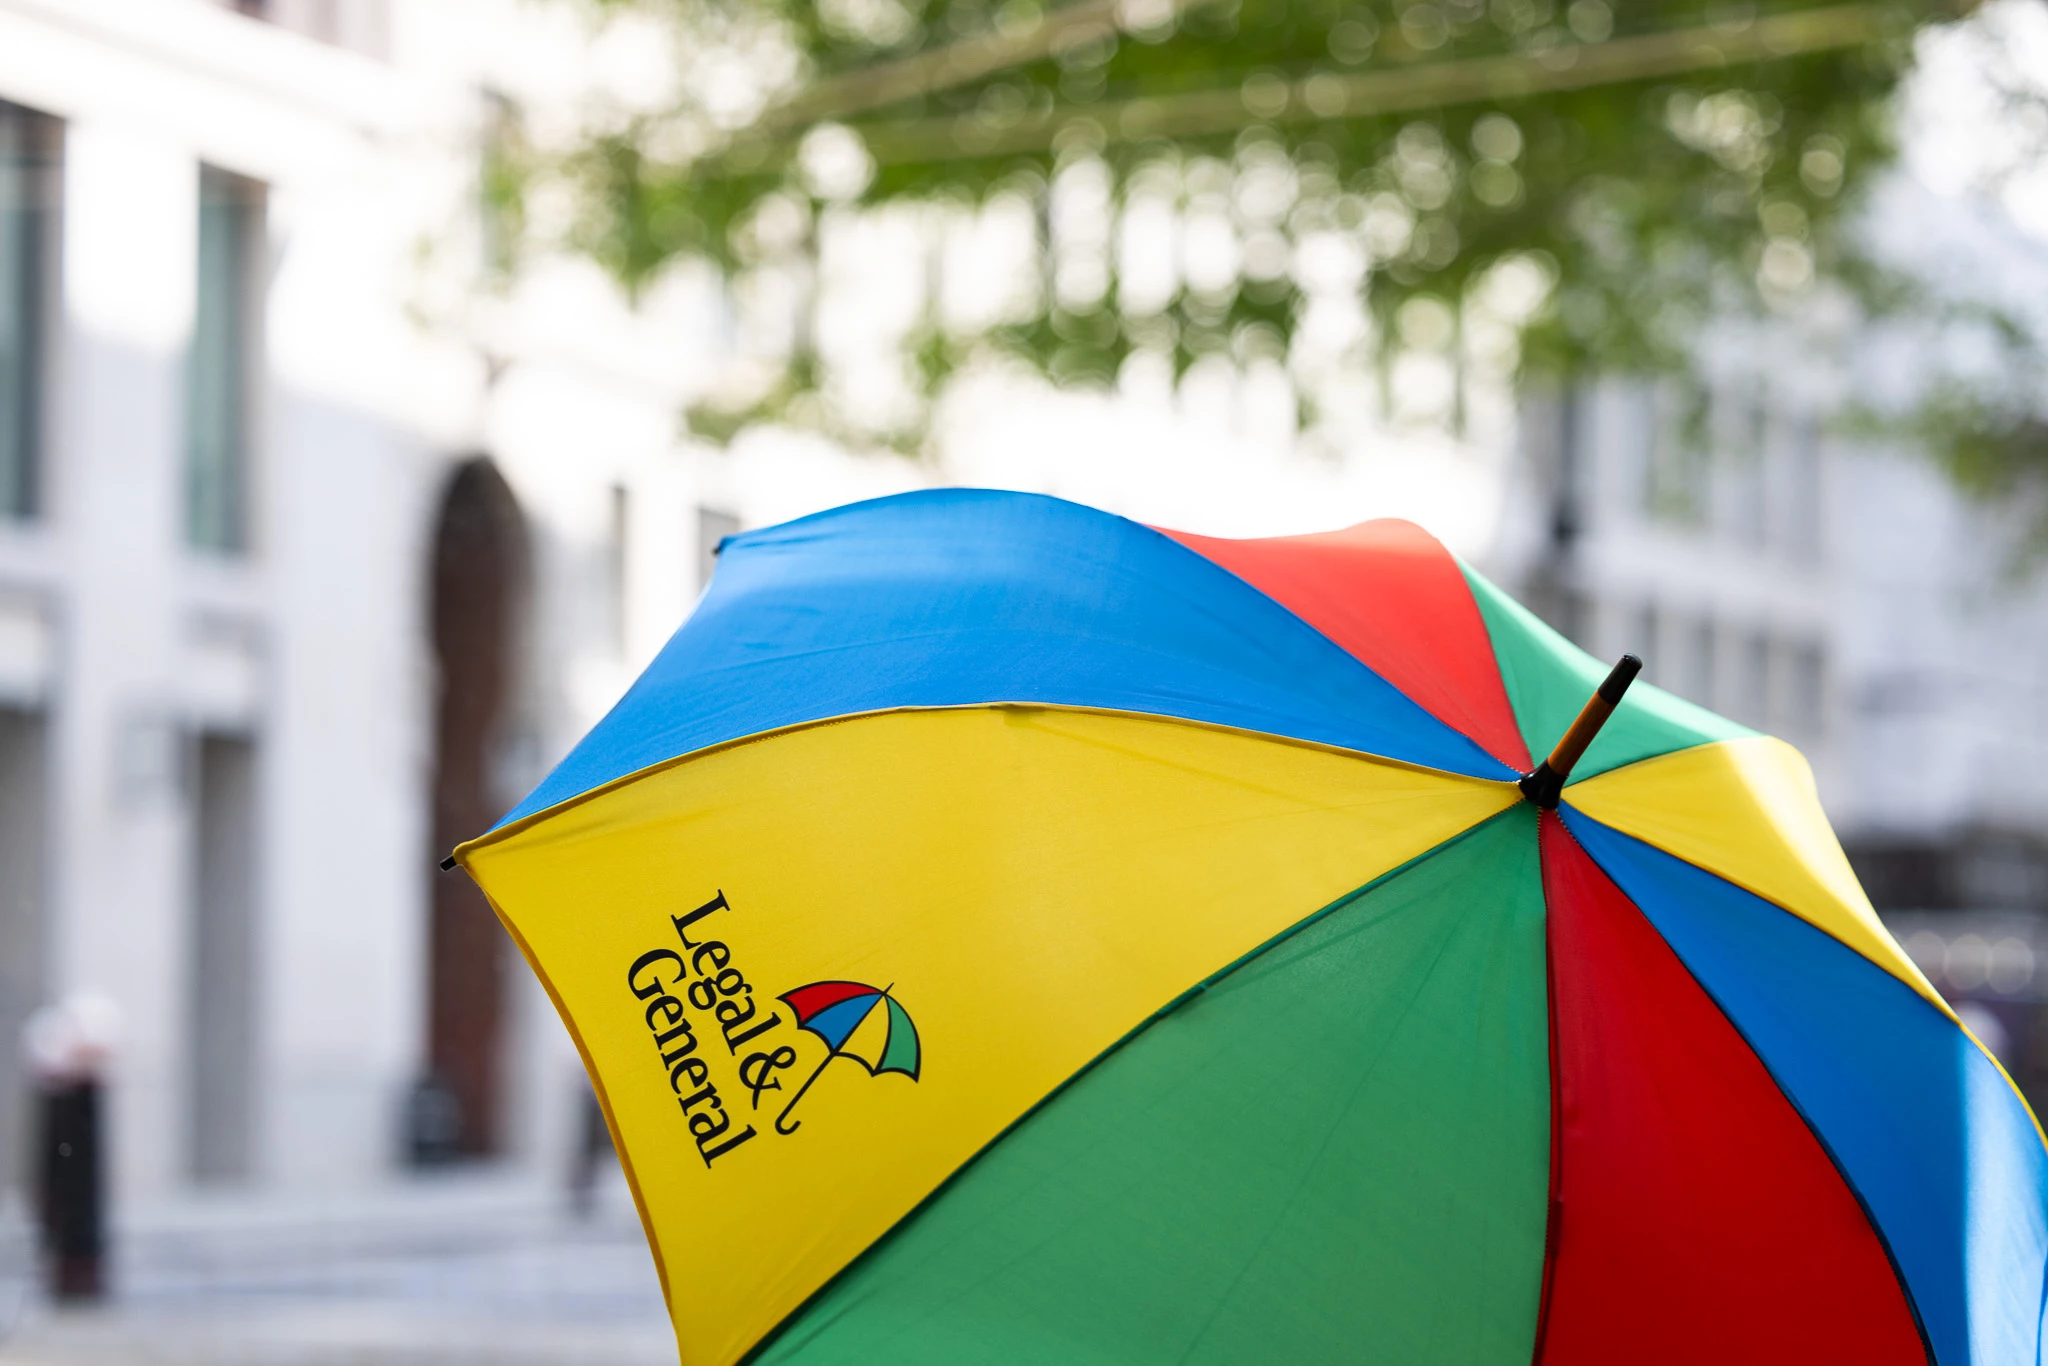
<point x="1268" y="1020"/>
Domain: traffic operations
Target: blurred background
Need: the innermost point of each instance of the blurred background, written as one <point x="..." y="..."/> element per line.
<point x="378" y="378"/>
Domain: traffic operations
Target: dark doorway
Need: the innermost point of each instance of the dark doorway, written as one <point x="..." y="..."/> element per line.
<point x="479" y="595"/>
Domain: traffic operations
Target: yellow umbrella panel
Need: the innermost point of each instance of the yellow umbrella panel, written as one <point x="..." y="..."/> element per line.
<point x="1030" y="883"/>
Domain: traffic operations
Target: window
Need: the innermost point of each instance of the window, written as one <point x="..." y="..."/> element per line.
<point x="221" y="370"/>
<point x="1800" y="518"/>
<point x="1701" y="663"/>
<point x="1807" y="710"/>
<point x="1574" y="462"/>
<point x="28" y="170"/>
<point x="221" y="961"/>
<point x="363" y="25"/>
<point x="1743" y="461"/>
<point x="618" y="552"/>
<point x="1675" y="488"/>
<point x="1646" y="645"/>
<point x="1753" y="703"/>
<point x="25" y="929"/>
<point x="713" y="526"/>
<point x="501" y="202"/>
<point x="1578" y="620"/>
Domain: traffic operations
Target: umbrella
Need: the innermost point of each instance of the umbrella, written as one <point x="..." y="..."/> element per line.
<point x="1273" y="1003"/>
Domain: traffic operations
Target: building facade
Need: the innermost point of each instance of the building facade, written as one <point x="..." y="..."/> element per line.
<point x="268" y="593"/>
<point x="209" y="753"/>
<point x="314" y="555"/>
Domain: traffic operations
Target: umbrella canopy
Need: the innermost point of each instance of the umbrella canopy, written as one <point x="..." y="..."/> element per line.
<point x="1258" y="1016"/>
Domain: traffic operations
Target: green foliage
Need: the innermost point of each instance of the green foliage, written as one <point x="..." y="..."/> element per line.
<point x="1650" y="165"/>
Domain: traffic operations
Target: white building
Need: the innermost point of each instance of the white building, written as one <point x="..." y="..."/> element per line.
<point x="244" y="509"/>
<point x="221" y="481"/>
<point x="312" y="557"/>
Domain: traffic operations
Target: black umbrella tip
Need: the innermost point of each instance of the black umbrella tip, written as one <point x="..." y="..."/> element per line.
<point x="1619" y="677"/>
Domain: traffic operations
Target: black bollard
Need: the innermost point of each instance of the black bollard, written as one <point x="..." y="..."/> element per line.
<point x="71" y="1188"/>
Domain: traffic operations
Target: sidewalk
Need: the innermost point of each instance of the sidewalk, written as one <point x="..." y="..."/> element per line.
<point x="471" y="1268"/>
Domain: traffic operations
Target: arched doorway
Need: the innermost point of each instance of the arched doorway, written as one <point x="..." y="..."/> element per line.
<point x="479" y="586"/>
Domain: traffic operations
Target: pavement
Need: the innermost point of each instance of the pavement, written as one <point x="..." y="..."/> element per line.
<point x="472" y="1268"/>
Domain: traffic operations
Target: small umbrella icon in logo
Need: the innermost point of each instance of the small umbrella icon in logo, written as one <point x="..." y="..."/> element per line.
<point x="834" y="1011"/>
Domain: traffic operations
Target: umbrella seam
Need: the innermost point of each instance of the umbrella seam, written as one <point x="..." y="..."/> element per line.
<point x="499" y="834"/>
<point x="1478" y="615"/>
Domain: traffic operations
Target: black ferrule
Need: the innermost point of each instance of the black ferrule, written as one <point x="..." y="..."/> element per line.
<point x="1618" y="679"/>
<point x="1544" y="787"/>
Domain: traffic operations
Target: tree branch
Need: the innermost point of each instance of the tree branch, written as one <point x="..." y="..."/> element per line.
<point x="1572" y="66"/>
<point x="885" y="83"/>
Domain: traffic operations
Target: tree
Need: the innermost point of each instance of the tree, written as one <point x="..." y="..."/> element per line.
<point x="1497" y="183"/>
